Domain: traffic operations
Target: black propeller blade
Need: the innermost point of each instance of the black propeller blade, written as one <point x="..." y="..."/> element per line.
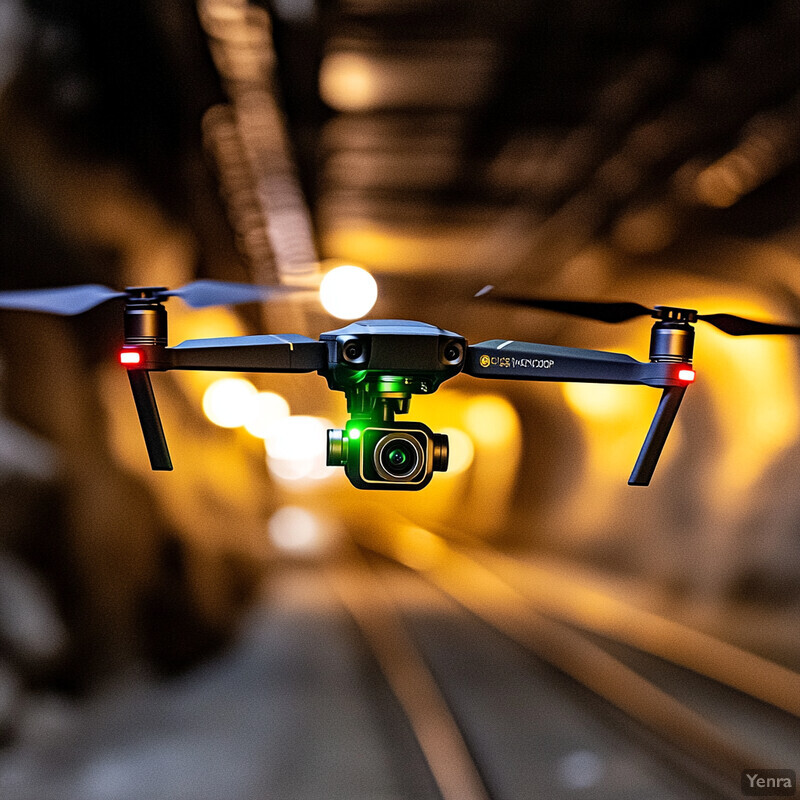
<point x="622" y="312"/>
<point x="739" y="326"/>
<point x="603" y="312"/>
<point x="71" y="300"/>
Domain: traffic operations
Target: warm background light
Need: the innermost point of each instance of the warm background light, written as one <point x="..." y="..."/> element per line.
<point x="491" y="420"/>
<point x="227" y="401"/>
<point x="614" y="420"/>
<point x="462" y="451"/>
<point x="346" y="79"/>
<point x="348" y="292"/>
<point x="605" y="402"/>
<point x="265" y="410"/>
<point x="295" y="530"/>
<point x="752" y="385"/>
<point x="417" y="547"/>
<point x="296" y="450"/>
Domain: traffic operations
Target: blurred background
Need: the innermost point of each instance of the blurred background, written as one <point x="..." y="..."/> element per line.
<point x="250" y="625"/>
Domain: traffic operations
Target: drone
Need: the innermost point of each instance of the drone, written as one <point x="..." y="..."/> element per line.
<point x="380" y="364"/>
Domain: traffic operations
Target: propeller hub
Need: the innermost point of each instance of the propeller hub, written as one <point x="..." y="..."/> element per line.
<point x="145" y="294"/>
<point x="674" y="314"/>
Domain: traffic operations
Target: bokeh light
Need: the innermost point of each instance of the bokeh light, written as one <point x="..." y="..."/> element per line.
<point x="297" y="531"/>
<point x="462" y="451"/>
<point x="347" y="82"/>
<point x="752" y="383"/>
<point x="491" y="420"/>
<point x="605" y="402"/>
<point x="265" y="411"/>
<point x="227" y="401"/>
<point x="297" y="449"/>
<point x="348" y="292"/>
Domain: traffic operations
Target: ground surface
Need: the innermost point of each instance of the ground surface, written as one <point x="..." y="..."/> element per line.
<point x="297" y="710"/>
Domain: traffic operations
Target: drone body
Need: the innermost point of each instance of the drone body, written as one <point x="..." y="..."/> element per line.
<point x="380" y="364"/>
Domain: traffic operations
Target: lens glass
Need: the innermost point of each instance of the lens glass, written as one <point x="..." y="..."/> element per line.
<point x="398" y="456"/>
<point x="352" y="351"/>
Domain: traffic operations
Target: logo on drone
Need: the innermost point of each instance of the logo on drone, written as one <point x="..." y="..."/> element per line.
<point x="509" y="362"/>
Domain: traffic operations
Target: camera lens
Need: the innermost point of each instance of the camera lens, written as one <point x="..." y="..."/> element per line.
<point x="452" y="353"/>
<point x="353" y="350"/>
<point x="398" y="456"/>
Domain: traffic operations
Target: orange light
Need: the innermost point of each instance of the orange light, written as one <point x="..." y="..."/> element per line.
<point x="686" y="375"/>
<point x="130" y="357"/>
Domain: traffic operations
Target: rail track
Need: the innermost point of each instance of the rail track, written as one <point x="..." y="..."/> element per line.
<point x="694" y="710"/>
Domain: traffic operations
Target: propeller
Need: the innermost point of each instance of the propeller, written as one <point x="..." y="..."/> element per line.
<point x="205" y="293"/>
<point x="622" y="312"/>
<point x="73" y="300"/>
<point x="66" y="300"/>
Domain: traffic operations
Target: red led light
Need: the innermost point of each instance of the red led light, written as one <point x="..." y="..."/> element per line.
<point x="686" y="375"/>
<point x="130" y="357"/>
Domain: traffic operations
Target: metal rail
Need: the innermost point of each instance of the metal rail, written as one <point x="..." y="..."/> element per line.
<point x="434" y="727"/>
<point x="719" y="758"/>
<point x="556" y="594"/>
<point x="565" y="598"/>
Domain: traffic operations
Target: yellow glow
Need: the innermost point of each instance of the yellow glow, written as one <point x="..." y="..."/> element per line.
<point x="602" y="402"/>
<point x="203" y="323"/>
<point x="454" y="247"/>
<point x="346" y="81"/>
<point x="227" y="401"/>
<point x="614" y="420"/>
<point x="418" y="548"/>
<point x="265" y="410"/>
<point x="296" y="449"/>
<point x="752" y="381"/>
<point x="348" y="292"/>
<point x="462" y="451"/>
<point x="491" y="420"/>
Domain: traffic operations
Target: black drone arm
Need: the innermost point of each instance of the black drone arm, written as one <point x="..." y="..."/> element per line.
<point x="524" y="361"/>
<point x="290" y="353"/>
<point x="267" y="353"/>
<point x="510" y="360"/>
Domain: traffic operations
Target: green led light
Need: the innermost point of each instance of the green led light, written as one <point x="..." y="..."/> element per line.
<point x="354" y="433"/>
